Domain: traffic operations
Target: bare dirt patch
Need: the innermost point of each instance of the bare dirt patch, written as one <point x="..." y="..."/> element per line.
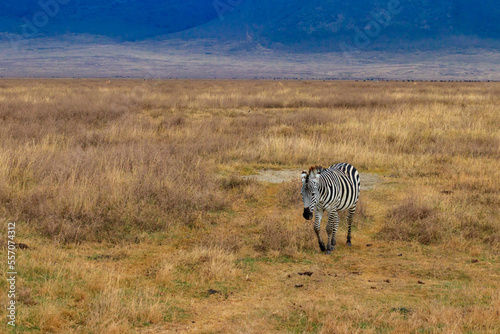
<point x="276" y="176"/>
<point x="368" y="180"/>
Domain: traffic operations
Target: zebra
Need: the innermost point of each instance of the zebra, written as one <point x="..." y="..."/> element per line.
<point x="332" y="189"/>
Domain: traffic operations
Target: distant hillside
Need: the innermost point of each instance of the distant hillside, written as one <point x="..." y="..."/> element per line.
<point x="292" y="24"/>
<point x="369" y="24"/>
<point x="121" y="19"/>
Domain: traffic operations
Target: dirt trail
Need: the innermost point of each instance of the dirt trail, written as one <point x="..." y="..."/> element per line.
<point x="368" y="180"/>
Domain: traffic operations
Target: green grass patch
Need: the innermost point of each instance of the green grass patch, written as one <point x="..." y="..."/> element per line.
<point x="175" y="313"/>
<point x="298" y="322"/>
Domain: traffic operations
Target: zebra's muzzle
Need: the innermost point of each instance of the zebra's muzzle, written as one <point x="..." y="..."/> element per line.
<point x="307" y="214"/>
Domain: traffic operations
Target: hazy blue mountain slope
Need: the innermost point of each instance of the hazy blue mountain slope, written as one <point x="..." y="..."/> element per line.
<point x="297" y="24"/>
<point x="125" y="19"/>
<point x="327" y="23"/>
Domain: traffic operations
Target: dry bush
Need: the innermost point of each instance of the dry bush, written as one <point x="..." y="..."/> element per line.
<point x="412" y="220"/>
<point x="234" y="182"/>
<point x="276" y="235"/>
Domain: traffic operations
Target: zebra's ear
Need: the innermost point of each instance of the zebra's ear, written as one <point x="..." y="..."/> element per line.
<point x="317" y="176"/>
<point x="303" y="175"/>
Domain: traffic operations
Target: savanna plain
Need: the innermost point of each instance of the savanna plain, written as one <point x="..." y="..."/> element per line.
<point x="135" y="203"/>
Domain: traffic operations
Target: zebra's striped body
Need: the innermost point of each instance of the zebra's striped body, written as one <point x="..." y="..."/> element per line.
<point x="330" y="190"/>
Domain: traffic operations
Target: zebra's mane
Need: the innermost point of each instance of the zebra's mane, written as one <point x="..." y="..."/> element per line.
<point x="317" y="169"/>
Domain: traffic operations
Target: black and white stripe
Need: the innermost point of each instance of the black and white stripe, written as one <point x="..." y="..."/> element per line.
<point x="330" y="190"/>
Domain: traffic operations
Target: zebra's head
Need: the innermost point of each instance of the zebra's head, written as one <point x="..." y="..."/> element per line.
<point x="310" y="193"/>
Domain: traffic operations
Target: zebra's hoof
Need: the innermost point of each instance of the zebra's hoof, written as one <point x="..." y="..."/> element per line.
<point x="322" y="246"/>
<point x="328" y="252"/>
<point x="349" y="243"/>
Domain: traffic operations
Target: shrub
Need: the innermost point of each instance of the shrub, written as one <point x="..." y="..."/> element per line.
<point x="233" y="181"/>
<point x="275" y="235"/>
<point x="412" y="220"/>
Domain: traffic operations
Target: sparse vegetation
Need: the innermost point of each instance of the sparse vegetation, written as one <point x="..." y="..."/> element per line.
<point x="129" y="196"/>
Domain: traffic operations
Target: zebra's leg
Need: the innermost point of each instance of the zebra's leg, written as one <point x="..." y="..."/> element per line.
<point x="317" y="228"/>
<point x="331" y="230"/>
<point x="350" y="215"/>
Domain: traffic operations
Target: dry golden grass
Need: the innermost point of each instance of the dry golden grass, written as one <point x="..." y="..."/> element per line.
<point x="129" y="197"/>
